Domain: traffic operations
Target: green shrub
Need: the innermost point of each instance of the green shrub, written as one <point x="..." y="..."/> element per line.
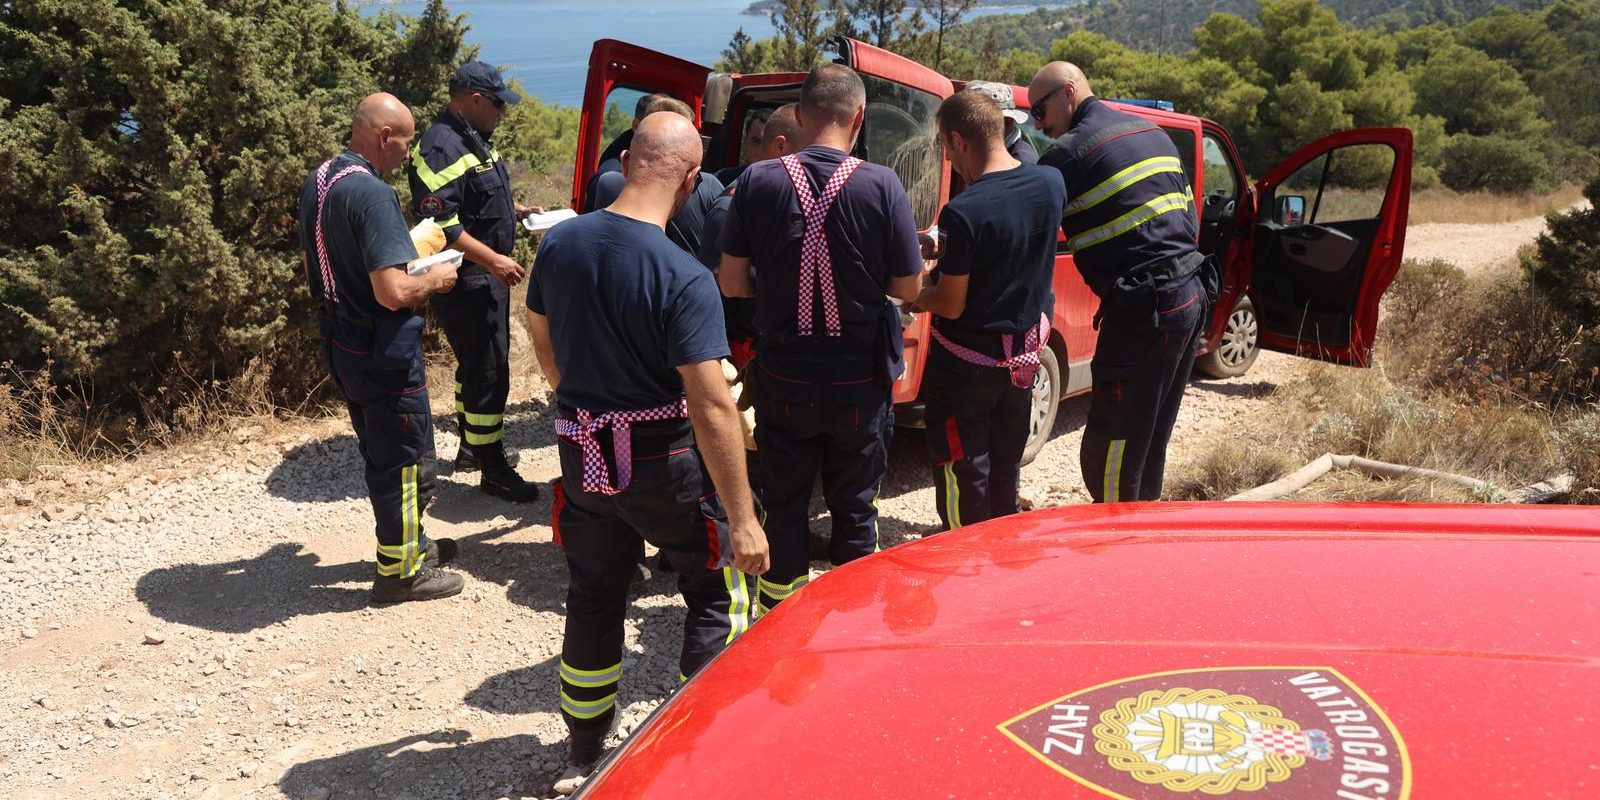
<point x="157" y="150"/>
<point x="1496" y="162"/>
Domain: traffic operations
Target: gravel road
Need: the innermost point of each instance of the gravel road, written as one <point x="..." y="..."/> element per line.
<point x="194" y="623"/>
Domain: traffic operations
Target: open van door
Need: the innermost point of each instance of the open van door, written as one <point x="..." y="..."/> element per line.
<point x="1327" y="239"/>
<point x="899" y="133"/>
<point x="619" y="74"/>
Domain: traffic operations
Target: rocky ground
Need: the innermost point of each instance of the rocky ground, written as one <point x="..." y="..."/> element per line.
<point x="194" y="623"/>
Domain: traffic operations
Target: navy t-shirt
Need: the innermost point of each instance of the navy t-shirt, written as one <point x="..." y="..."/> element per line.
<point x="627" y="307"/>
<point x="871" y="235"/>
<point x="365" y="231"/>
<point x="1001" y="232"/>
<point x="740" y="312"/>
<point x="686" y="228"/>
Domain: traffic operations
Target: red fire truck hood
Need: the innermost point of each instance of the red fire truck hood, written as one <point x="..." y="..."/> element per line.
<point x="1171" y="650"/>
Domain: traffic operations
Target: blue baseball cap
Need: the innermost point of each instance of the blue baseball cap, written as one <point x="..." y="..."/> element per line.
<point x="481" y="77"/>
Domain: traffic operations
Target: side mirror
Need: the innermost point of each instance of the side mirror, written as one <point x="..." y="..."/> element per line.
<point x="1290" y="210"/>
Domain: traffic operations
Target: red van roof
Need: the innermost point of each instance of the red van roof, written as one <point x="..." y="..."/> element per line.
<point x="1164" y="650"/>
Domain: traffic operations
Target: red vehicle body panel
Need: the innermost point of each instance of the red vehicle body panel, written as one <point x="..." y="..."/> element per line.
<point x="1468" y="634"/>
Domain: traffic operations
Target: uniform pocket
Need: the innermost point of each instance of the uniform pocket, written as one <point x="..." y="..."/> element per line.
<point x="396" y="341"/>
<point x="719" y="541"/>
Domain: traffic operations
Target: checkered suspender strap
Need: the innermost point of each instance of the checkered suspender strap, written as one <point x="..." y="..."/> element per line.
<point x="325" y="184"/>
<point x="816" y="262"/>
<point x="596" y="478"/>
<point x="1022" y="365"/>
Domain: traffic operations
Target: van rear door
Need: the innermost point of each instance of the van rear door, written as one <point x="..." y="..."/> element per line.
<point x="899" y="133"/>
<point x="619" y="74"/>
<point x="1327" y="239"/>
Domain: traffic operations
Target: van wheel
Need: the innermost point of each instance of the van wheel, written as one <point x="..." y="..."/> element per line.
<point x="1234" y="355"/>
<point x="1046" y="398"/>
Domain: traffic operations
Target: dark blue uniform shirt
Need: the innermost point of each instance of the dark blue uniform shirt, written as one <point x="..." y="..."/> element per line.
<point x="1001" y="232"/>
<point x="629" y="308"/>
<point x="739" y="312"/>
<point x="1131" y="212"/>
<point x="459" y="180"/>
<point x="365" y="231"/>
<point x="871" y="235"/>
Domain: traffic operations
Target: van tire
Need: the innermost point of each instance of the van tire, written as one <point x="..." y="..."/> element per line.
<point x="1241" y="343"/>
<point x="1046" y="400"/>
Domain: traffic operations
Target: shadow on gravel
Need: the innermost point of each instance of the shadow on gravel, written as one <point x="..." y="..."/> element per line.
<point x="1217" y="387"/>
<point x="441" y="764"/>
<point x="646" y="677"/>
<point x="245" y="595"/>
<point x="330" y="470"/>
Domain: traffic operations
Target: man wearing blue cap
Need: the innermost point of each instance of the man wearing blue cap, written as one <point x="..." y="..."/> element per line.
<point x="459" y="180"/>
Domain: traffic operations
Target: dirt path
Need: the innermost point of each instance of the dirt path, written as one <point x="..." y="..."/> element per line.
<point x="195" y="623"/>
<point x="1474" y="248"/>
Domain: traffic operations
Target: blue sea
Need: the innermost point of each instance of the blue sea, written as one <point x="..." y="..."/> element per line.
<point x="546" y="43"/>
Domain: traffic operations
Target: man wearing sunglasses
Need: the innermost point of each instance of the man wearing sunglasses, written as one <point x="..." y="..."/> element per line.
<point x="1130" y="221"/>
<point x="459" y="180"/>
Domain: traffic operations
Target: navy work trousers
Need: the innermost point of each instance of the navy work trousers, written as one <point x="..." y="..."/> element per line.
<point x="380" y="373"/>
<point x="670" y="503"/>
<point x="474" y="318"/>
<point x="977" y="428"/>
<point x="1141" y="366"/>
<point x="820" y="412"/>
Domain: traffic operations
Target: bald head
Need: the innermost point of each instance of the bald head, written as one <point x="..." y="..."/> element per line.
<point x="381" y="130"/>
<point x="665" y="147"/>
<point x="1057" y="89"/>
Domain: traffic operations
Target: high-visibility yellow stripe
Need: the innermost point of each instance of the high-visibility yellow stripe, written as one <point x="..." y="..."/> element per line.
<point x="1165" y="204"/>
<point x="436" y="180"/>
<point x="1114" y="470"/>
<point x="450" y="221"/>
<point x="590" y="678"/>
<point x="410" y="522"/>
<point x="682" y="678"/>
<point x="390" y="570"/>
<point x="484" y="420"/>
<point x="587" y="709"/>
<point x="484" y="438"/>
<point x="738" y="602"/>
<point x="782" y="590"/>
<point x="952" y="496"/>
<point x="1122" y="180"/>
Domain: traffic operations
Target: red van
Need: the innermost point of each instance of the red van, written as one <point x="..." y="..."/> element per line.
<point x="1306" y="259"/>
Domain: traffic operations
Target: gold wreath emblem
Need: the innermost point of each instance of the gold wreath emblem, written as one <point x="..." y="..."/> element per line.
<point x="1190" y="740"/>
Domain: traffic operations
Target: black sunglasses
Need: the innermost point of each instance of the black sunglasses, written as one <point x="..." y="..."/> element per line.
<point x="498" y="103"/>
<point x="1037" y="109"/>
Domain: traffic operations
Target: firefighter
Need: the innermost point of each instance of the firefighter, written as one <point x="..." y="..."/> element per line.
<point x="830" y="234"/>
<point x="752" y="145"/>
<point x="355" y="248"/>
<point x="781" y="136"/>
<point x="1016" y="139"/>
<point x="459" y="180"/>
<point x="628" y="329"/>
<point x="1130" y="222"/>
<point x="990" y="296"/>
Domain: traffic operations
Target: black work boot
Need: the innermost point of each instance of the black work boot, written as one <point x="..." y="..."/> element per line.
<point x="439" y="552"/>
<point x="429" y="583"/>
<point x="582" y="756"/>
<point x="467" y="461"/>
<point x="500" y="480"/>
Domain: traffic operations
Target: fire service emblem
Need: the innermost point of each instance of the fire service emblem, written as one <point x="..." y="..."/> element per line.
<point x="1302" y="732"/>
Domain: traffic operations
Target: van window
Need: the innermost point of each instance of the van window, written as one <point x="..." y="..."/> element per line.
<point x="1183" y="139"/>
<point x="1217" y="171"/>
<point x="899" y="133"/>
<point x="619" y="113"/>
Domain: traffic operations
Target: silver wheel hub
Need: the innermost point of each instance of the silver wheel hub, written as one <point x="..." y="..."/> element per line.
<point x="1239" y="338"/>
<point x="1040" y="402"/>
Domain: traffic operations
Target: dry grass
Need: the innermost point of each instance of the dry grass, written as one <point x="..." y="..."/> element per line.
<point x="1227" y="470"/>
<point x="1439" y="204"/>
